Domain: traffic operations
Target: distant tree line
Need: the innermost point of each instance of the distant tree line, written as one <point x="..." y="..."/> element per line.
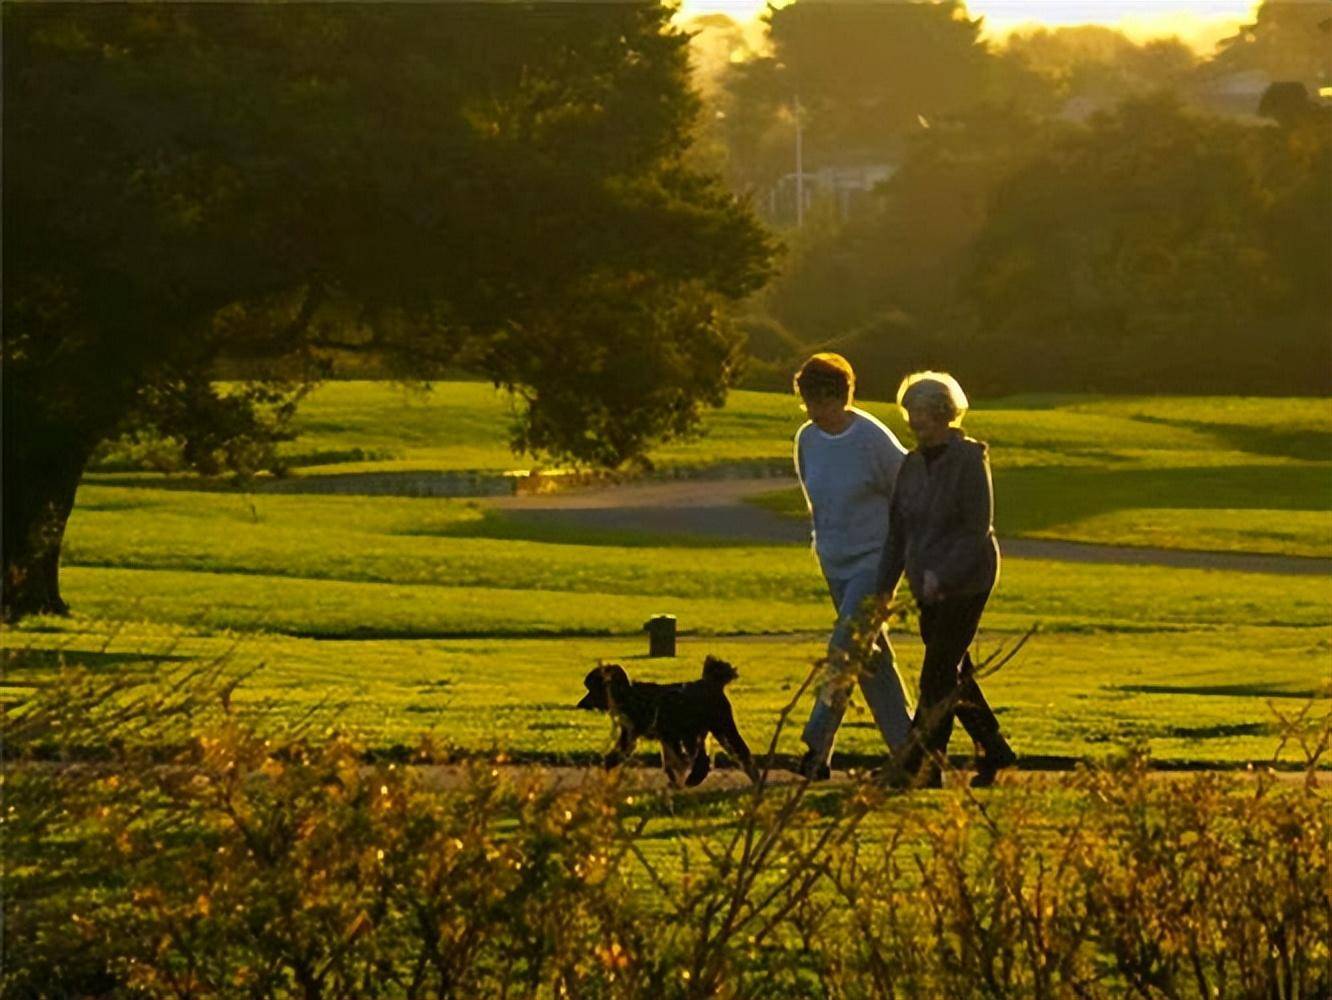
<point x="1066" y="211"/>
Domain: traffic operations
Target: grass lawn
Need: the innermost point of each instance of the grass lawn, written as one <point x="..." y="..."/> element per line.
<point x="342" y="566"/>
<point x="1216" y="473"/>
<point x="1213" y="474"/>
<point x="461" y="426"/>
<point x="1278" y="509"/>
<point x="1192" y="695"/>
<point x="393" y="620"/>
<point x="391" y="617"/>
<point x="394" y="615"/>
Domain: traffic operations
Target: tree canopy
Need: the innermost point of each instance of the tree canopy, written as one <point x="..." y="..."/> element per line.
<point x="499" y="188"/>
<point x="1288" y="40"/>
<point x="1155" y="249"/>
<point x="861" y="73"/>
<point x="1144" y="254"/>
<point x="1091" y="213"/>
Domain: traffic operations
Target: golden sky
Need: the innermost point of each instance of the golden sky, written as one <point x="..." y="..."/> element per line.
<point x="1199" y="22"/>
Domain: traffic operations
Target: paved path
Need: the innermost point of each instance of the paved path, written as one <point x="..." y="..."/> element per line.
<point x="1039" y="771"/>
<point x="713" y="508"/>
<point x="717" y="508"/>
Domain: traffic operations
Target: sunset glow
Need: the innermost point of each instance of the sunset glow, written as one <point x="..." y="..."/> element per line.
<point x="1199" y="22"/>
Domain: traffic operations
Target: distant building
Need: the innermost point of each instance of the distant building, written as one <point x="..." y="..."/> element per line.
<point x="1234" y="93"/>
<point x="848" y="186"/>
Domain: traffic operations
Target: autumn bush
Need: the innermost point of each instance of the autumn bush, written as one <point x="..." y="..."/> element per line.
<point x="1143" y="885"/>
<point x="160" y="844"/>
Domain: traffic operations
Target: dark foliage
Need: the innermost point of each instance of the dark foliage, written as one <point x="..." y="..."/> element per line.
<point x="495" y="188"/>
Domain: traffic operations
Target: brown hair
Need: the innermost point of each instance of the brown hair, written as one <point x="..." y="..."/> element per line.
<point x="826" y="376"/>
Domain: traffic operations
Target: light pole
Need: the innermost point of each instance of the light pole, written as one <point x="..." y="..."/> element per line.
<point x="800" y="168"/>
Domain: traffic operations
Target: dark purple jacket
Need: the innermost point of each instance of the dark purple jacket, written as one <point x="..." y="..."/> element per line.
<point x="942" y="519"/>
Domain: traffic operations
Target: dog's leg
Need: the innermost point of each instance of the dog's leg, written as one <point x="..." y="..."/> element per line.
<point x="674" y="761"/>
<point x="624" y="746"/>
<point x="702" y="761"/>
<point x="733" y="743"/>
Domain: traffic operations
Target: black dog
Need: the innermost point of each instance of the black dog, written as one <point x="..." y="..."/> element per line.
<point x="679" y="715"/>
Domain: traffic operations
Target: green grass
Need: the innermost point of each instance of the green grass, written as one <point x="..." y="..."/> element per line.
<point x="453" y="425"/>
<point x="462" y="425"/>
<point x="1227" y="475"/>
<point x="1065" y="597"/>
<point x="329" y="565"/>
<point x="398" y="615"/>
<point x="1193" y="695"/>
<point x="442" y="630"/>
<point x="1275" y="510"/>
<point x="1224" y="474"/>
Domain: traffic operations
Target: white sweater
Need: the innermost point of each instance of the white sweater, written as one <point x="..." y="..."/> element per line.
<point x="848" y="483"/>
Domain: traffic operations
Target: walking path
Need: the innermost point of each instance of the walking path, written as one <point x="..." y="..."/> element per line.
<point x="646" y="777"/>
<point x="717" y="508"/>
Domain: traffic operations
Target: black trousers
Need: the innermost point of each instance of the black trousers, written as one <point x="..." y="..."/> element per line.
<point x="948" y="686"/>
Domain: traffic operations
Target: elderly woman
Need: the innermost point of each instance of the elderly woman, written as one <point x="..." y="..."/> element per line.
<point x="941" y="533"/>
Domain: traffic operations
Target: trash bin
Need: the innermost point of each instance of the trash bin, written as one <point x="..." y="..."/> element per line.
<point x="661" y="635"/>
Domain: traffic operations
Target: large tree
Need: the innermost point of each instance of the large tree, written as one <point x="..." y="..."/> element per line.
<point x="1098" y="63"/>
<point x="1288" y="40"/>
<point x="493" y="187"/>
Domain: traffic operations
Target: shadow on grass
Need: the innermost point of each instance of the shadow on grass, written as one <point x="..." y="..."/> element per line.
<point x="368" y="634"/>
<point x="1041" y="497"/>
<point x="572" y="527"/>
<point x="1129" y="732"/>
<point x="1311" y="445"/>
<point x="1033" y="499"/>
<point x="1257" y="690"/>
<point x="177" y="482"/>
<point x="842" y="762"/>
<point x="436" y="483"/>
<point x="1219" y="731"/>
<point x="92" y="660"/>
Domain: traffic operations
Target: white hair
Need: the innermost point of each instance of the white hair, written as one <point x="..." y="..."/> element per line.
<point x="937" y="391"/>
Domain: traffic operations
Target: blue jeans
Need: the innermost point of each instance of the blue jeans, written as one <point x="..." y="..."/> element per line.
<point x="879" y="683"/>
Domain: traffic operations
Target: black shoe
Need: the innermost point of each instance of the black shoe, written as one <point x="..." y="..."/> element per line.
<point x="924" y="776"/>
<point x="814" y="770"/>
<point x="893" y="776"/>
<point x="928" y="776"/>
<point x="994" y="761"/>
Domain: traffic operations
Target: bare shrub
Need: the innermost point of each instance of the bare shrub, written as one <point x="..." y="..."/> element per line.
<point x="158" y="844"/>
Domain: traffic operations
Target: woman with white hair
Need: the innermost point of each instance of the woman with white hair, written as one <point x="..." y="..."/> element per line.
<point x="941" y="532"/>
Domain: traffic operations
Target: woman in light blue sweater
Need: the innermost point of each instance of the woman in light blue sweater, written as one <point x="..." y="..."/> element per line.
<point x="847" y="462"/>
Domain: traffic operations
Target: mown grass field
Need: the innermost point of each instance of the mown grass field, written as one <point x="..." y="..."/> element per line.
<point x="390" y="616"/>
<point x="1192" y="695"/>
<point x="1225" y="474"/>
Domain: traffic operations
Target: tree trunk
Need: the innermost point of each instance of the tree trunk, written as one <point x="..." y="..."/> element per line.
<point x="39" y="487"/>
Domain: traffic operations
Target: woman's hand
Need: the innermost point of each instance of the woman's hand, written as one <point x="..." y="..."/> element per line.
<point x="933" y="594"/>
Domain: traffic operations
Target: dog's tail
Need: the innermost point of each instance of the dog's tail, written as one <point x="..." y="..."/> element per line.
<point x="719" y="672"/>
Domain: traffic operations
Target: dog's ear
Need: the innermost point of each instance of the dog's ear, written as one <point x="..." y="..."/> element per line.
<point x="616" y="682"/>
<point x="719" y="672"/>
<point x="595" y="699"/>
